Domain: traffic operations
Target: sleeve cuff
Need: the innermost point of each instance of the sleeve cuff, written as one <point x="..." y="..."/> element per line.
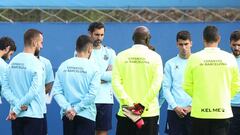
<point x="78" y="108"/>
<point x="174" y="105"/>
<point x="144" y="104"/>
<point x="127" y="102"/>
<point x="67" y="108"/>
<point x="16" y="110"/>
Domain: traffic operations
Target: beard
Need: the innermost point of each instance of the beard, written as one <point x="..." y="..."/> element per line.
<point x="89" y="55"/>
<point x="5" y="57"/>
<point x="236" y="53"/>
<point x="37" y="53"/>
<point x="97" y="43"/>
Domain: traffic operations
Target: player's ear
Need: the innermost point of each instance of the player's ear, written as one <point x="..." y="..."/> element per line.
<point x="89" y="33"/>
<point x="7" y="48"/>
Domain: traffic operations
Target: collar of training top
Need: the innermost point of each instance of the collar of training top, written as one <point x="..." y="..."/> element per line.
<point x="139" y="46"/>
<point x="211" y="48"/>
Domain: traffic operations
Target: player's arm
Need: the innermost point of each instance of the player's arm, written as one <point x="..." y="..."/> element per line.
<point x="34" y="90"/>
<point x="161" y="98"/>
<point x="107" y="75"/>
<point x="58" y="93"/>
<point x="235" y="84"/>
<point x="6" y="91"/>
<point x="89" y="98"/>
<point x="188" y="77"/>
<point x="117" y="84"/>
<point x="166" y="86"/>
<point x="49" y="78"/>
<point x="48" y="87"/>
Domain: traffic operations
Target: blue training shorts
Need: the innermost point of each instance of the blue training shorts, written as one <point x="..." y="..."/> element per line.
<point x="104" y="116"/>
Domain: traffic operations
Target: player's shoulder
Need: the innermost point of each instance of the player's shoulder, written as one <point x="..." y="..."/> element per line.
<point x="71" y="60"/>
<point x="172" y="60"/>
<point x="154" y="55"/>
<point x="228" y="56"/>
<point x="108" y="48"/>
<point x="227" y="53"/>
<point x="94" y="66"/>
<point x="124" y="53"/>
<point x="66" y="62"/>
<point x="43" y="59"/>
<point x="3" y="64"/>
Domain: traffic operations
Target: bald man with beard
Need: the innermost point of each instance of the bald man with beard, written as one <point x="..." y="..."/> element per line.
<point x="136" y="80"/>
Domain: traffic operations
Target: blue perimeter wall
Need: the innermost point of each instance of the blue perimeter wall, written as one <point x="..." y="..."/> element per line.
<point x="59" y="45"/>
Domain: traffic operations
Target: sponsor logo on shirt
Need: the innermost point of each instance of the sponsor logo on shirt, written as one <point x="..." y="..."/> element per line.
<point x="105" y="57"/>
<point x="176" y="67"/>
<point x="212" y="110"/>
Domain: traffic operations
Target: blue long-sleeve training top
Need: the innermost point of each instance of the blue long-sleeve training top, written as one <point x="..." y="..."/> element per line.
<point x="76" y="85"/>
<point x="172" y="83"/>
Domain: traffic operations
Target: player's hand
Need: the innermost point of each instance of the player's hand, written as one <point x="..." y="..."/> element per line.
<point x="180" y="112"/>
<point x="109" y="68"/>
<point x="11" y="116"/>
<point x="24" y="108"/>
<point x="102" y="81"/>
<point x="138" y="108"/>
<point x="134" y="117"/>
<point x="70" y="114"/>
<point x="187" y="109"/>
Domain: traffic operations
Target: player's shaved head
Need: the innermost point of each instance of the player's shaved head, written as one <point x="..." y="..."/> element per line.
<point x="142" y="30"/>
<point x="141" y="35"/>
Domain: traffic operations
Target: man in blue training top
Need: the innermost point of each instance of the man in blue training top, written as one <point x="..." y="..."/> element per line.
<point x="179" y="102"/>
<point x="75" y="88"/>
<point x="23" y="87"/>
<point x="48" y="81"/>
<point x="235" y="103"/>
<point x="7" y="48"/>
<point x="104" y="57"/>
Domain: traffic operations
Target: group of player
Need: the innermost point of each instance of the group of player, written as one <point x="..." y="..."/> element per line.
<point x="197" y="87"/>
<point x="82" y="85"/>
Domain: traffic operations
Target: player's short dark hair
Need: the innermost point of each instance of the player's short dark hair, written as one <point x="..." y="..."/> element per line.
<point x="7" y="41"/>
<point x="95" y="25"/>
<point x="184" y="35"/>
<point x="235" y="36"/>
<point x="83" y="42"/>
<point x="30" y="34"/>
<point x="210" y="34"/>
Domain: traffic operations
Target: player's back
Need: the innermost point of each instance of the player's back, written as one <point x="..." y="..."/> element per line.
<point x="214" y="78"/>
<point x="140" y="67"/>
<point x="25" y="78"/>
